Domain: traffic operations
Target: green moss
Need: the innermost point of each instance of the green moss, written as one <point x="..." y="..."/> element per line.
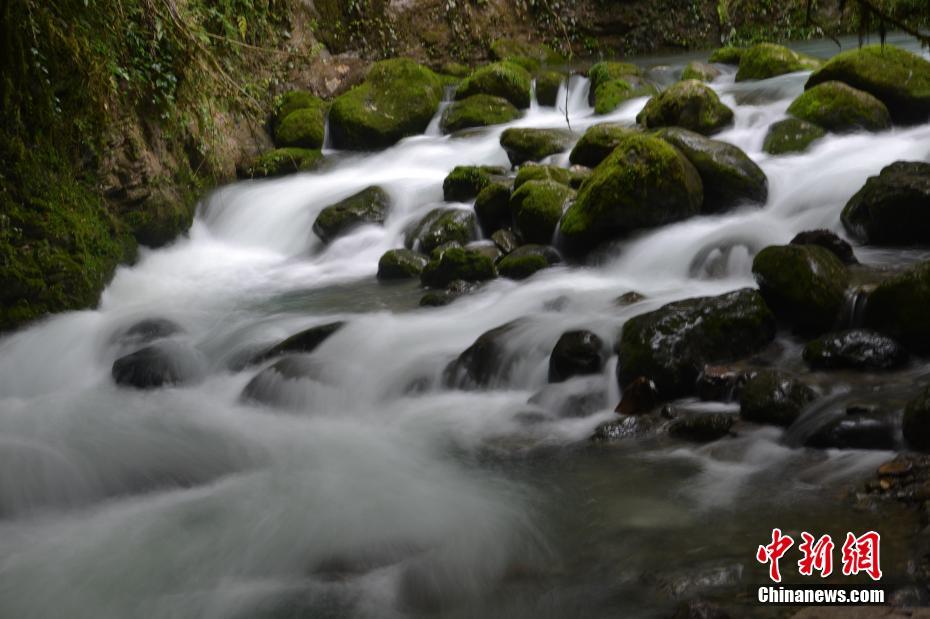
<point x="898" y="307"/>
<point x="477" y="111"/>
<point x="791" y="135"/>
<point x="281" y="161"/>
<point x="465" y="182"/>
<point x="838" y="107"/>
<point x="302" y="128"/>
<point x="610" y="94"/>
<point x="500" y="79"/>
<point x="526" y="144"/>
<point x="292" y="101"/>
<point x="537" y="207"/>
<point x="457" y="264"/>
<point x="530" y="65"/>
<point x="700" y="71"/>
<point x="401" y="264"/>
<point x="727" y="55"/>
<point x="690" y="104"/>
<point x="606" y="71"/>
<point x="547" y="87"/>
<point x="767" y="60"/>
<point x="537" y="172"/>
<point x="455" y="69"/>
<point x="502" y="49"/>
<point x="597" y="142"/>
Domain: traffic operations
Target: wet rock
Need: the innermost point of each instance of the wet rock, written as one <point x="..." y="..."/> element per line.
<point x="576" y="353"/>
<point x="629" y="298"/>
<point x="441" y="226"/>
<point x="898" y="78"/>
<point x="526" y="260"/>
<point x="609" y="95"/>
<point x="537" y="208"/>
<point x="282" y="161"/>
<point x="856" y="349"/>
<point x="147" y="330"/>
<point x="486" y="360"/>
<point x="644" y="183"/>
<point x="727" y="55"/>
<point x="397" y="99"/>
<point x="630" y="426"/>
<point x="477" y="111"/>
<point x="505" y="240"/>
<point x="840" y="108"/>
<point x="897" y="307"/>
<point x="916" y="423"/>
<point x="485" y="248"/>
<point x="639" y="396"/>
<point x="892" y="208"/>
<point x="696" y="70"/>
<point x="701" y="427"/>
<point x="767" y="60"/>
<point x="305" y="341"/>
<point x="160" y="364"/>
<point x="547" y="87"/>
<point x="577" y="397"/>
<point x="369" y="206"/>
<point x="829" y="241"/>
<point x="540" y="172"/>
<point x="280" y="384"/>
<point x="457" y="263"/>
<point x="455" y="289"/>
<point x="775" y="398"/>
<point x="465" y="182"/>
<point x="689" y="104"/>
<point x="805" y="285"/>
<point x="671" y="345"/>
<point x="855" y="432"/>
<point x="610" y="79"/>
<point x="597" y="142"/>
<point x="527" y="144"/>
<point x="719" y="383"/>
<point x="500" y="79"/>
<point x="492" y="207"/>
<point x="791" y="135"/>
<point x="401" y="264"/>
<point x="729" y="176"/>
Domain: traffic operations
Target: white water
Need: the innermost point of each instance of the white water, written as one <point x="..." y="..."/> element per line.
<point x="188" y="502"/>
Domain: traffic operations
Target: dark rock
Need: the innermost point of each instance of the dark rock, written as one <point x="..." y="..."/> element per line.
<point x="287" y="382"/>
<point x="721" y="383"/>
<point x="401" y="264"/>
<point x="455" y="289"/>
<point x="892" y="208"/>
<point x="855" y="432"/>
<point x="527" y="144"/>
<point x="457" y="263"/>
<point x="465" y="182"/>
<point x="916" y="424"/>
<point x="148" y="330"/>
<point x="774" y="397"/>
<point x="701" y="427"/>
<point x="485" y="248"/>
<point x="829" y="241"/>
<point x="597" y="142"/>
<point x="369" y="206"/>
<point x="306" y="341"/>
<point x="856" y="349"/>
<point x="485" y="361"/>
<point x="157" y="365"/>
<point x="791" y="135"/>
<point x="639" y="396"/>
<point x="505" y="240"/>
<point x="537" y="208"/>
<point x="547" y="87"/>
<point x="441" y="226"/>
<point x="527" y="260"/>
<point x="898" y="308"/>
<point x="492" y="207"/>
<point x="576" y="353"/>
<point x="629" y="298"/>
<point x="574" y="398"/>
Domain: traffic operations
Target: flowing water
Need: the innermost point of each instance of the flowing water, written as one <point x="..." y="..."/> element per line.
<point x="362" y="496"/>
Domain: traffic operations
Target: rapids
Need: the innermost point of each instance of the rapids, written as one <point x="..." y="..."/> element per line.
<point x="377" y="492"/>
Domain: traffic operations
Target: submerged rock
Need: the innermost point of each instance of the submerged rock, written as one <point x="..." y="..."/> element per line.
<point x="856" y="349"/>
<point x="147" y="330"/>
<point x="829" y="241"/>
<point x="696" y="70"/>
<point x="898" y="307"/>
<point x="486" y="360"/>
<point x="457" y="263"/>
<point x="492" y="207"/>
<point x="576" y="353"/>
<point x="689" y="104"/>
<point x="528" y="144"/>
<point x="840" y="108"/>
<point x="597" y="143"/>
<point x="791" y="135"/>
<point x="305" y="341"/>
<point x="892" y="208"/>
<point x="506" y="80"/>
<point x="916" y="424"/>
<point x="702" y="427"/>
<point x="580" y="396"/>
<point x="280" y="383"/>
<point x="721" y="383"/>
<point x="767" y="60"/>
<point x="671" y="345"/>
<point x="537" y="208"/>
<point x="369" y="206"/>
<point x="465" y="182"/>
<point x="441" y="226"/>
<point x="160" y="364"/>
<point x="775" y="398"/>
<point x="477" y="111"/>
<point x="526" y="260"/>
<point x="455" y="289"/>
<point x="401" y="264"/>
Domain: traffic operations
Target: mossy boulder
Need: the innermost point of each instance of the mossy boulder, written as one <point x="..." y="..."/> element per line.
<point x="477" y="111"/>
<point x="576" y="353"/>
<point x="441" y="226"/>
<point x="610" y="94"/>
<point x="791" y="135"/>
<point x="465" y="182"/>
<point x="597" y="142"/>
<point x="526" y="260"/>
<point x="401" y="264"/>
<point x="696" y="70"/>
<point x="292" y="101"/>
<point x="898" y="78"/>
<point x="805" y="285"/>
<point x="455" y="69"/>
<point x="854" y="349"/>
<point x="644" y="183"/>
<point x="540" y="172"/>
<point x="492" y="207"/>
<point x="537" y="207"/>
<point x="916" y="422"/>
<point x="767" y="60"/>
<point x="727" y="55"/>
<point x="528" y="144"/>
<point x="457" y="264"/>
<point x="282" y="161"/>
<point x="302" y="127"/>
<point x="830" y="241"/>
<point x="671" y="345"/>
<point x="839" y="108"/>
<point x="898" y="307"/>
<point x="547" y="87"/>
<point x="690" y="104"/>
<point x="892" y="208"/>
<point x="506" y="80"/>
<point x="729" y="176"/>
<point x="368" y="206"/>
<point x="504" y="48"/>
<point x="397" y="99"/>
<point x="605" y="71"/>
<point x="774" y="397"/>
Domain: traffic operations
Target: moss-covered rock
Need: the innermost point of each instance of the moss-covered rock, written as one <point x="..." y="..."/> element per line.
<point x="854" y="349"/>
<point x="916" y="422"/>
<point x="775" y="398"/>
<point x="727" y="55"/>
<point x="690" y="104"/>
<point x="547" y="87"/>
<point x="282" y="161"/>
<point x="540" y="172"/>
<point x="597" y="142"/>
<point x="898" y="307"/>
<point x="729" y="176"/>
<point x="606" y="71"/>
<point x="455" y="69"/>
<point x="397" y="99"/>
<point x="527" y="260"/>
<point x="805" y="285"/>
<point x="465" y="182"/>
<point x="477" y="111"/>
<point x="528" y="144"/>
<point x="492" y="206"/>
<point x="671" y="345"/>
<point x="292" y="101"/>
<point x="644" y="183"/>
<point x="767" y="60"/>
<point x="368" y="206"/>
<point x="892" y="208"/>
<point x="791" y="135"/>
<point x="576" y="353"/>
<point x="504" y="48"/>
<point x="441" y="226"/>
<point x="401" y="264"/>
<point x="610" y="94"/>
<point x="898" y="78"/>
<point x="457" y="264"/>
<point x="537" y="207"/>
<point x="839" y="108"/>
<point x="696" y="70"/>
<point x="830" y="241"/>
<point x="302" y="127"/>
<point x="500" y="79"/>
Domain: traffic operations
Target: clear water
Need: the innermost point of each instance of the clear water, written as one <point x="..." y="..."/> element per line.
<point x="365" y="498"/>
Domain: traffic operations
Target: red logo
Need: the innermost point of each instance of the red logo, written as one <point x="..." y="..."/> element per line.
<point x="860" y="554"/>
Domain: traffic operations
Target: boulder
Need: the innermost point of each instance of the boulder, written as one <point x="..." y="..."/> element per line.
<point x="163" y="363"/>
<point x="485" y="248"/>
<point x="305" y="341"/>
<point x="805" y="285"/>
<point x="671" y="345"/>
<point x="696" y="70"/>
<point x="791" y="135"/>
<point x="537" y="207"/>
<point x="401" y="264"/>
<point x="506" y="80"/>
<point x="690" y="104"/>
<point x="457" y="263"/>
<point x="492" y="207"/>
<point x="639" y="396"/>
<point x="477" y="111"/>
<point x="840" y="108"/>
<point x="527" y="144"/>
<point x="767" y="60"/>
<point x="288" y="382"/>
<point x="729" y="176"/>
<point x="597" y="142"/>
<point x="855" y="349"/>
<point x="916" y="423"/>
<point x="721" y="383"/>
<point x="455" y="289"/>
<point x="775" y="398"/>
<point x="898" y="78"/>
<point x="898" y="308"/>
<point x="441" y="226"/>
<point x="547" y="87"/>
<point x="855" y="432"/>
<point x="292" y="101"/>
<point x="302" y="127"/>
<point x="526" y="260"/>
<point x="727" y="55"/>
<point x="282" y="161"/>
<point x="368" y="206"/>
<point x="504" y="48"/>
<point x="465" y="182"/>
<point x="576" y="353"/>
<point x="607" y="71"/>
<point x="541" y="172"/>
<point x="892" y="208"/>
<point x="484" y="361"/>
<point x="146" y="331"/>
<point x="397" y="99"/>
<point x="644" y="183"/>
<point x="701" y="427"/>
<point x="610" y="94"/>
<point x="829" y="241"/>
